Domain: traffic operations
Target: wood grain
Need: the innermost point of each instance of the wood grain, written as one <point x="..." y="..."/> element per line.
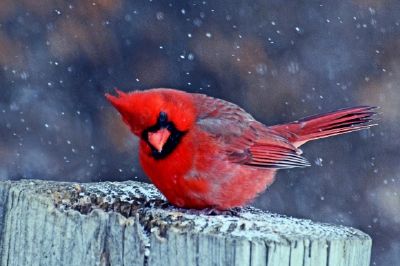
<point x="129" y="223"/>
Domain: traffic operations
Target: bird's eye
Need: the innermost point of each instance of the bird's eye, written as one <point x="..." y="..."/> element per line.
<point x="162" y="118"/>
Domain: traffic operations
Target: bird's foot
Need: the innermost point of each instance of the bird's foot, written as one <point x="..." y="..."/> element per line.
<point x="234" y="212"/>
<point x="213" y="212"/>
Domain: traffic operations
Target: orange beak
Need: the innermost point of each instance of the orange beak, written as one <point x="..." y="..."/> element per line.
<point x="159" y="138"/>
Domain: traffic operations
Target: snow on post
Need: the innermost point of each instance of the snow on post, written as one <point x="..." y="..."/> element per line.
<point x="129" y="223"/>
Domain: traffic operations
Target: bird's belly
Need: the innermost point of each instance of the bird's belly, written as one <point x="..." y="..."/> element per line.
<point x="231" y="187"/>
<point x="241" y="187"/>
<point x="187" y="193"/>
<point x="204" y="179"/>
<point x="222" y="191"/>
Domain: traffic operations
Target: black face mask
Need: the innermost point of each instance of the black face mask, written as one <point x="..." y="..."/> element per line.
<point x="172" y="141"/>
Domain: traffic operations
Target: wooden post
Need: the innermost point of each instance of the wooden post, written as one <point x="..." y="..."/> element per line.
<point x="129" y="223"/>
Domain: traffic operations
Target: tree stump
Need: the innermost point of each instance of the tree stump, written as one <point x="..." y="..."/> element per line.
<point x="130" y="223"/>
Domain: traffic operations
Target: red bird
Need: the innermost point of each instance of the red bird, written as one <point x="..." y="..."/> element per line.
<point x="203" y="152"/>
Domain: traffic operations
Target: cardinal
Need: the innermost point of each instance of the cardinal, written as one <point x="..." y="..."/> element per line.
<point x="203" y="152"/>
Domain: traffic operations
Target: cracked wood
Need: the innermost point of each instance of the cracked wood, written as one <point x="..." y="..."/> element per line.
<point x="129" y="223"/>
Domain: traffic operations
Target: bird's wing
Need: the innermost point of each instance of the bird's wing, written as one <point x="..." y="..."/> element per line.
<point x="243" y="139"/>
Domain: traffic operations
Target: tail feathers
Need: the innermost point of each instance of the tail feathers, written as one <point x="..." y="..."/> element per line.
<point x="329" y="124"/>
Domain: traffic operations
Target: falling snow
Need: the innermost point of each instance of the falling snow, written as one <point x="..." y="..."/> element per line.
<point x="280" y="64"/>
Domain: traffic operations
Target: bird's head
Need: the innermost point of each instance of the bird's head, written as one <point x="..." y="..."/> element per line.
<point x="161" y="117"/>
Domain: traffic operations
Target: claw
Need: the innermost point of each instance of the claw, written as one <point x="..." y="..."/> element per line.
<point x="235" y="212"/>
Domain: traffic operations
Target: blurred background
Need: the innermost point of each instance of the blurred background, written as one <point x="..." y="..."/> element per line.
<point x="280" y="60"/>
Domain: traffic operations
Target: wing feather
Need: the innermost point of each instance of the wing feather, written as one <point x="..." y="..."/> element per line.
<point x="243" y="139"/>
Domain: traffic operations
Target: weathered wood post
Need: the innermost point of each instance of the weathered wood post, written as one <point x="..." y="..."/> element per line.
<point x="129" y="223"/>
